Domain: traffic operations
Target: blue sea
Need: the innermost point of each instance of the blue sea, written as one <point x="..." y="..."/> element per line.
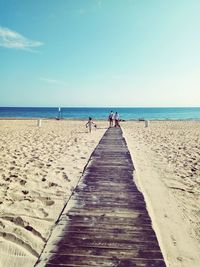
<point x="102" y="113"/>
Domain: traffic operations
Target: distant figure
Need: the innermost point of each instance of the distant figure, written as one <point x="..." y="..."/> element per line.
<point x="110" y="118"/>
<point x="89" y="124"/>
<point x="116" y="118"/>
<point x="59" y="114"/>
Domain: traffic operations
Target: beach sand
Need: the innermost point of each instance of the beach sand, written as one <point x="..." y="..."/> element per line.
<point x="166" y="156"/>
<point x="39" y="168"/>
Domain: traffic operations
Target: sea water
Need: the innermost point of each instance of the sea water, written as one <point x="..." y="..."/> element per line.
<point x="183" y="113"/>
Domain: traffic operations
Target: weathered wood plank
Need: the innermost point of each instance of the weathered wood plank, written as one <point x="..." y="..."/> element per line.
<point x="108" y="224"/>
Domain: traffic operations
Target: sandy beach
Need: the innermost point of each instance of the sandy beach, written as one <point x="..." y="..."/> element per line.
<point x="67" y="63"/>
<point x="40" y="166"/>
<point x="39" y="169"/>
<point x="166" y="156"/>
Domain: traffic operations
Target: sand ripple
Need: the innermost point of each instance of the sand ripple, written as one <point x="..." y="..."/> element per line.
<point x="39" y="167"/>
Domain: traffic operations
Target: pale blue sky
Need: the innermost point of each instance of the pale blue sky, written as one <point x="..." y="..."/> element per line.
<point x="100" y="53"/>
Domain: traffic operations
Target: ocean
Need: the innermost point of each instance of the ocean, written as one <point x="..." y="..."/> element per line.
<point x="102" y="113"/>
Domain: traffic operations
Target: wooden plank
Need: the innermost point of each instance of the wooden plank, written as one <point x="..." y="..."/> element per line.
<point x="108" y="224"/>
<point x="105" y="261"/>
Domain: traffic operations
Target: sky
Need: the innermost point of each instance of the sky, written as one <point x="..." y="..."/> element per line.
<point x="100" y="53"/>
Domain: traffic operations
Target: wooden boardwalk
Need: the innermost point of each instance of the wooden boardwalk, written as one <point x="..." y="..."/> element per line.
<point x="108" y="224"/>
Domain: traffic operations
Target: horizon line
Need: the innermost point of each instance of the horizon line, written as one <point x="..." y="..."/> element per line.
<point x="110" y="107"/>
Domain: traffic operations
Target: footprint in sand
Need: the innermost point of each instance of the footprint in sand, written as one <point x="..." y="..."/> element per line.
<point x="43" y="212"/>
<point x="25" y="192"/>
<point x="6" y="179"/>
<point x="49" y="202"/>
<point x="59" y="193"/>
<point x="52" y="184"/>
<point x="28" y="199"/>
<point x="22" y="182"/>
<point x="76" y="168"/>
<point x="65" y="176"/>
<point x="13" y="175"/>
<point x="60" y="168"/>
<point x="173" y="240"/>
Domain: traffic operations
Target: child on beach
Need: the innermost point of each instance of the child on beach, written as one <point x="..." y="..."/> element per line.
<point x="89" y="124"/>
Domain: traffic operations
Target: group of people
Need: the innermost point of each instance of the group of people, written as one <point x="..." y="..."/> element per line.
<point x="113" y="119"/>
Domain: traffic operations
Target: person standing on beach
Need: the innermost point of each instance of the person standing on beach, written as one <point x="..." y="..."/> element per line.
<point x="110" y="118"/>
<point x="89" y="124"/>
<point x="116" y="118"/>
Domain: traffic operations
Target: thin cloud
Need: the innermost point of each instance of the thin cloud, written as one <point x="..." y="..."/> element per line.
<point x="13" y="40"/>
<point x="52" y="81"/>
